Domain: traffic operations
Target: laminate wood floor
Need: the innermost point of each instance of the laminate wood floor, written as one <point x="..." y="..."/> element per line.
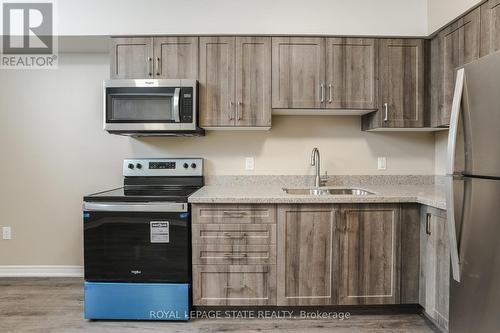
<point x="56" y="305"/>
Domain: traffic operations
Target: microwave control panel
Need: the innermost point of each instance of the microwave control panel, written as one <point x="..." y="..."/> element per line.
<point x="187" y="109"/>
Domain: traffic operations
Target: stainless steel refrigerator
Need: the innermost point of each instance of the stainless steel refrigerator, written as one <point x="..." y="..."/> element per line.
<point x="473" y="198"/>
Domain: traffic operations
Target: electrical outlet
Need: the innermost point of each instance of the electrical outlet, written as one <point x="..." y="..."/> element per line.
<point x="381" y="163"/>
<point x="249" y="163"/>
<point x="6" y="233"/>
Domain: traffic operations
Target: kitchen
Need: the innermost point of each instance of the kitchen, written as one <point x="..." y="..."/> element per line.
<point x="270" y="219"/>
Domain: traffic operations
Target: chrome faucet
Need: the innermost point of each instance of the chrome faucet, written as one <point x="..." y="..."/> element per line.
<point x="315" y="161"/>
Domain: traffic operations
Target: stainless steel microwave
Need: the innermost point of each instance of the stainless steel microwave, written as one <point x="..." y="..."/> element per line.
<point x="151" y="107"/>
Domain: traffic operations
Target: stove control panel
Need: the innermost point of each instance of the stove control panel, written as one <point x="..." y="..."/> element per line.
<point x="161" y="167"/>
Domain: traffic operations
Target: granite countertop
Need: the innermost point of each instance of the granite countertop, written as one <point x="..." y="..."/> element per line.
<point x="427" y="194"/>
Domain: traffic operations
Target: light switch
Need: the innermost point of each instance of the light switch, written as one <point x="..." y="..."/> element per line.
<point x="249" y="163"/>
<point x="382" y="163"/>
<point x="6" y="233"/>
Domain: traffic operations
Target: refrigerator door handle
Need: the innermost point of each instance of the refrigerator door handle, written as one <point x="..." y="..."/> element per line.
<point x="455" y="113"/>
<point x="452" y="234"/>
<point x="450" y="170"/>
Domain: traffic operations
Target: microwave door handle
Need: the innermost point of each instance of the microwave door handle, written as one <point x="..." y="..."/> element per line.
<point x="177" y="114"/>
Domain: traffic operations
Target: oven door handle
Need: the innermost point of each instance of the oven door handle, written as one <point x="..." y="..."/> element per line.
<point x="135" y="207"/>
<point x="177" y="113"/>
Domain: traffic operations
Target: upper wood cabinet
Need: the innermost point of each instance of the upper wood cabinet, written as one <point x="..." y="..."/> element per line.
<point x="370" y="254"/>
<point x="132" y="58"/>
<point x="458" y="45"/>
<point x="490" y="27"/>
<point x="434" y="265"/>
<point x="336" y="73"/>
<point x="154" y="57"/>
<point x="235" y="81"/>
<point x="217" y="61"/>
<point x="351" y="73"/>
<point x="176" y="57"/>
<point x="298" y="72"/>
<point x="307" y="254"/>
<point x="401" y="85"/>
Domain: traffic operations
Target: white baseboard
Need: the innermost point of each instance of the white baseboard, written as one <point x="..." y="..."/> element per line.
<point x="41" y="271"/>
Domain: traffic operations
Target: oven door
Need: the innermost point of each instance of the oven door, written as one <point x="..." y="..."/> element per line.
<point x="148" y="105"/>
<point x="136" y="242"/>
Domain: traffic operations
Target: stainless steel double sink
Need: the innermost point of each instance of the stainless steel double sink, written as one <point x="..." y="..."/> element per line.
<point x="327" y="191"/>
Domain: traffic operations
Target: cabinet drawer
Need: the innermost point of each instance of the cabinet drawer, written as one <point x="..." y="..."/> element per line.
<point x="234" y="234"/>
<point x="234" y="213"/>
<point x="234" y="254"/>
<point x="234" y="285"/>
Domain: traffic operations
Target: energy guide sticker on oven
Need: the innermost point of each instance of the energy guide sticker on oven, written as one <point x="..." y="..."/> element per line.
<point x="159" y="231"/>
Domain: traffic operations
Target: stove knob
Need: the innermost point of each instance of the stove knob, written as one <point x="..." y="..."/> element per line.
<point x="138" y="166"/>
<point x="193" y="165"/>
<point x="185" y="166"/>
<point x="130" y="166"/>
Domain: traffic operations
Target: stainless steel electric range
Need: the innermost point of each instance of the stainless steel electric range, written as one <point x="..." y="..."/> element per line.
<point x="137" y="253"/>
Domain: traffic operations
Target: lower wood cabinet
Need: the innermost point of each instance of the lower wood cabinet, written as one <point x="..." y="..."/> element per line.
<point x="370" y="255"/>
<point x="306" y="254"/>
<point x="434" y="265"/>
<point x="234" y="285"/>
<point x="307" y="241"/>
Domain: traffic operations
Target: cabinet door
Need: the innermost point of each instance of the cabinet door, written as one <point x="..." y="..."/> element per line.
<point x="176" y="57"/>
<point x="490" y="27"/>
<point x="434" y="265"/>
<point x="234" y="285"/>
<point x="369" y="255"/>
<point x="401" y="83"/>
<point x="131" y="58"/>
<point x="253" y="81"/>
<point x="460" y="42"/>
<point x="307" y="248"/>
<point x="216" y="81"/>
<point x="298" y="72"/>
<point x="351" y="73"/>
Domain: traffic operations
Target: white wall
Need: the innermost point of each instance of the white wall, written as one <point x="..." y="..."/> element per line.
<point x="442" y="12"/>
<point x="440" y="152"/>
<point x="353" y="17"/>
<point x="53" y="151"/>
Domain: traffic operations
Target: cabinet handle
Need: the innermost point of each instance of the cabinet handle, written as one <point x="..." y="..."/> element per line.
<point x="150" y="66"/>
<point x="329" y="93"/>
<point x="158" y="66"/>
<point x="230" y="108"/>
<point x="386" y="112"/>
<point x="322" y="99"/>
<point x="235" y="256"/>
<point x="239" y="111"/>
<point x="232" y="236"/>
<point x="428" y="223"/>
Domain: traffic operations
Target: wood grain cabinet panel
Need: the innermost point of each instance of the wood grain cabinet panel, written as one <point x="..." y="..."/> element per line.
<point x="176" y="57"/>
<point x="369" y="255"/>
<point x="132" y="58"/>
<point x="214" y="254"/>
<point x="490" y="27"/>
<point x="351" y="73"/>
<point x="307" y="245"/>
<point x="460" y="45"/>
<point x="434" y="265"/>
<point x="234" y="234"/>
<point x="234" y="285"/>
<point x="298" y="72"/>
<point x="234" y="213"/>
<point x="253" y="81"/>
<point x="216" y="81"/>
